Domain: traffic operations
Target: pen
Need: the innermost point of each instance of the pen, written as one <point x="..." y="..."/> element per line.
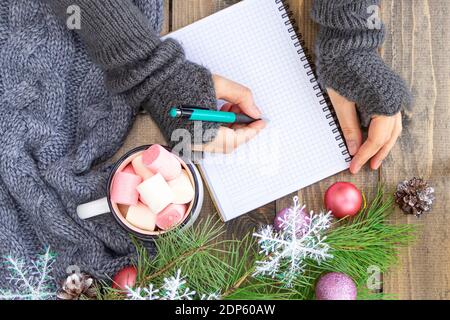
<point x="201" y="114"/>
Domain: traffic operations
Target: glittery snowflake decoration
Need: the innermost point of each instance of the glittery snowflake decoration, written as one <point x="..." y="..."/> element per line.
<point x="32" y="280"/>
<point x="287" y="251"/>
<point x="174" y="288"/>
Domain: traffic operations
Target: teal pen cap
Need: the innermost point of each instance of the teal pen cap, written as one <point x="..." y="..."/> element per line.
<point x="200" y="114"/>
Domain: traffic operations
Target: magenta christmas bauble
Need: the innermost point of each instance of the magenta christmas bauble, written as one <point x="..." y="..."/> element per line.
<point x="336" y="286"/>
<point x="279" y="223"/>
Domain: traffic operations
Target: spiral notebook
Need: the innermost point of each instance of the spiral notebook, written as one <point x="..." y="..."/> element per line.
<point x="256" y="44"/>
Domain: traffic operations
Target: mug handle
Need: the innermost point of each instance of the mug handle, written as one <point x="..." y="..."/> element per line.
<point x="93" y="209"/>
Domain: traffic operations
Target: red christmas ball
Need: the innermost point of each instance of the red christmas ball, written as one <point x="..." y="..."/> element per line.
<point x="125" y="278"/>
<point x="343" y="199"/>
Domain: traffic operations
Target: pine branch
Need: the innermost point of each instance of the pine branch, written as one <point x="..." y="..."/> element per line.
<point x="238" y="284"/>
<point x="172" y="264"/>
<point x="212" y="264"/>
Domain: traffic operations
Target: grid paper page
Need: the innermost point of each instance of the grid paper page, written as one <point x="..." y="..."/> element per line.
<point x="249" y="43"/>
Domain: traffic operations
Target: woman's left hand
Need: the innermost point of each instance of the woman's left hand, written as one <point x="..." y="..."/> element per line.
<point x="384" y="132"/>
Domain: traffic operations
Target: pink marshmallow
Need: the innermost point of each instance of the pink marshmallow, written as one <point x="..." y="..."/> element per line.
<point x="123" y="190"/>
<point x="141" y="169"/>
<point x="129" y="169"/>
<point x="158" y="159"/>
<point x="171" y="216"/>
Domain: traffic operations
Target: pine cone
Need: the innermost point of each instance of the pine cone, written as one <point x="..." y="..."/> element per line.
<point x="77" y="285"/>
<point x="415" y="196"/>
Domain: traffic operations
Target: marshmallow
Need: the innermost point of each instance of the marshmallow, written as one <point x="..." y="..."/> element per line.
<point x="141" y="169"/>
<point x="158" y="159"/>
<point x="156" y="193"/>
<point x="141" y="217"/>
<point x="123" y="190"/>
<point x="182" y="189"/>
<point x="171" y="216"/>
<point x="129" y="169"/>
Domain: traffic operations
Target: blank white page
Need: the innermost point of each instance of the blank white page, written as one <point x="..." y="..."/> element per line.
<point x="251" y="43"/>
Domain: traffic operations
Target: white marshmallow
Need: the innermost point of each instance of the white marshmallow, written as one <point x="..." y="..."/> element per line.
<point x="182" y="189"/>
<point x="156" y="193"/>
<point x="141" y="217"/>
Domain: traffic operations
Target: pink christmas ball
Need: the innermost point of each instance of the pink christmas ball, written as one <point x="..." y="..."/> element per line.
<point x="343" y="199"/>
<point x="282" y="216"/>
<point x="336" y="286"/>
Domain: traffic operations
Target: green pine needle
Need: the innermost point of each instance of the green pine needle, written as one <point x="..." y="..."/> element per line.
<point x="214" y="265"/>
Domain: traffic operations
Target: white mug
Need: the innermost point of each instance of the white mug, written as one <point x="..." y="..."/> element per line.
<point x="106" y="206"/>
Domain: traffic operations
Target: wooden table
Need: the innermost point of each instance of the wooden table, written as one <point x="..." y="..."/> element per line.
<point x="418" y="47"/>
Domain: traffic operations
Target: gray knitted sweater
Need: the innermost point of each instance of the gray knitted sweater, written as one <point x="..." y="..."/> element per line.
<point x="348" y="60"/>
<point x="155" y="75"/>
<point x="151" y="73"/>
<point x="58" y="126"/>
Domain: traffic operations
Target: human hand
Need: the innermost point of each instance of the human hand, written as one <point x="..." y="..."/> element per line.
<point x="239" y="100"/>
<point x="383" y="133"/>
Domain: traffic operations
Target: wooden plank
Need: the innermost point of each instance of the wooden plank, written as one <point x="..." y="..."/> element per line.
<point x="367" y="180"/>
<point x="417" y="47"/>
<point x="186" y="12"/>
<point x="167" y="17"/>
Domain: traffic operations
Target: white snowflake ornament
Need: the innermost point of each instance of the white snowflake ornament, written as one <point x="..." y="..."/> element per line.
<point x="174" y="288"/>
<point x="149" y="293"/>
<point x="33" y="280"/>
<point x="286" y="251"/>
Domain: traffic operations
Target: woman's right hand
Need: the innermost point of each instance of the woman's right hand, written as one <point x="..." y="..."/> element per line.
<point x="239" y="100"/>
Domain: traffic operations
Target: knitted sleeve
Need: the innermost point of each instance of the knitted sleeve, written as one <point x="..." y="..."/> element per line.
<point x="348" y="60"/>
<point x="151" y="73"/>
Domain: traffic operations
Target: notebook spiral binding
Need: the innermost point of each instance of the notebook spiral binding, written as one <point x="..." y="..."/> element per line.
<point x="309" y="65"/>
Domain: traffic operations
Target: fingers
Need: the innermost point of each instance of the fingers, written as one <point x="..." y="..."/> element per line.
<point x="229" y="107"/>
<point x="380" y="132"/>
<point x="239" y="100"/>
<point x="236" y="94"/>
<point x="228" y="139"/>
<point x="348" y="120"/>
<point x="376" y="161"/>
<point x="219" y="144"/>
<point x="245" y="134"/>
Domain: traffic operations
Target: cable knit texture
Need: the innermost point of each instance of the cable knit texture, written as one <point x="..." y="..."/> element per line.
<point x="149" y="72"/>
<point x="59" y="124"/>
<point x="348" y="60"/>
